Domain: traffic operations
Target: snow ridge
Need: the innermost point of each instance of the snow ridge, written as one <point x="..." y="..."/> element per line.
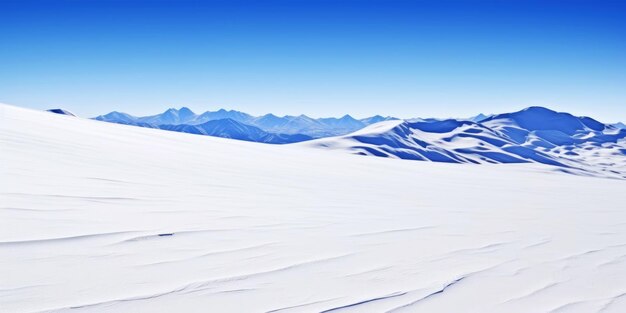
<point x="579" y="145"/>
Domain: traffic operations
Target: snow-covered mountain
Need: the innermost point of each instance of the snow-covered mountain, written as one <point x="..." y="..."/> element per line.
<point x="117" y="117"/>
<point x="290" y="125"/>
<point x="222" y="123"/>
<point x="170" y="117"/>
<point x="223" y="114"/>
<point x="375" y="119"/>
<point x="101" y="217"/>
<point x="536" y="134"/>
<point x="229" y="128"/>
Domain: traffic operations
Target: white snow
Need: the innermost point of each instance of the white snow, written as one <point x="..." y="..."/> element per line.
<point x="101" y="217"/>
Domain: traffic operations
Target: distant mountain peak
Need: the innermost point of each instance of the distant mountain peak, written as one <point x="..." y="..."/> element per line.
<point x="186" y="113"/>
<point x="537" y="109"/>
<point x="175" y="110"/>
<point x="376" y="119"/>
<point x="479" y="118"/>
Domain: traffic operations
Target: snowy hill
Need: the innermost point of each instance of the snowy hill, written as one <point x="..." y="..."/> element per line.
<point x="174" y="116"/>
<point x="538" y="135"/>
<point x="101" y="217"/>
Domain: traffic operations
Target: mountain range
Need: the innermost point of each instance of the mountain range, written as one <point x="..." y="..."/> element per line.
<point x="285" y="129"/>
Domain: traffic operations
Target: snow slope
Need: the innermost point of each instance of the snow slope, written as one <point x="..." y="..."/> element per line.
<point x="101" y="217"/>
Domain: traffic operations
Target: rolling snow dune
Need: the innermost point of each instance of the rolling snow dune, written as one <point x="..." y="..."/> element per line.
<point x="101" y="217"/>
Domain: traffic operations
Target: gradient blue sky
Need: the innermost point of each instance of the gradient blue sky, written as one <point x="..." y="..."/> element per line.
<point x="320" y="58"/>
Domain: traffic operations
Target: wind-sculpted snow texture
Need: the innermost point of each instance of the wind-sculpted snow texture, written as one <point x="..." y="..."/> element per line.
<point x="101" y="217"/>
<point x="579" y="145"/>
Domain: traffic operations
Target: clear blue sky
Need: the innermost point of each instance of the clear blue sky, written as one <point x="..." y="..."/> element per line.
<point x="320" y="58"/>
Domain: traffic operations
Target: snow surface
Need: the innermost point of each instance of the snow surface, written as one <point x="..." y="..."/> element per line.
<point x="101" y="217"/>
